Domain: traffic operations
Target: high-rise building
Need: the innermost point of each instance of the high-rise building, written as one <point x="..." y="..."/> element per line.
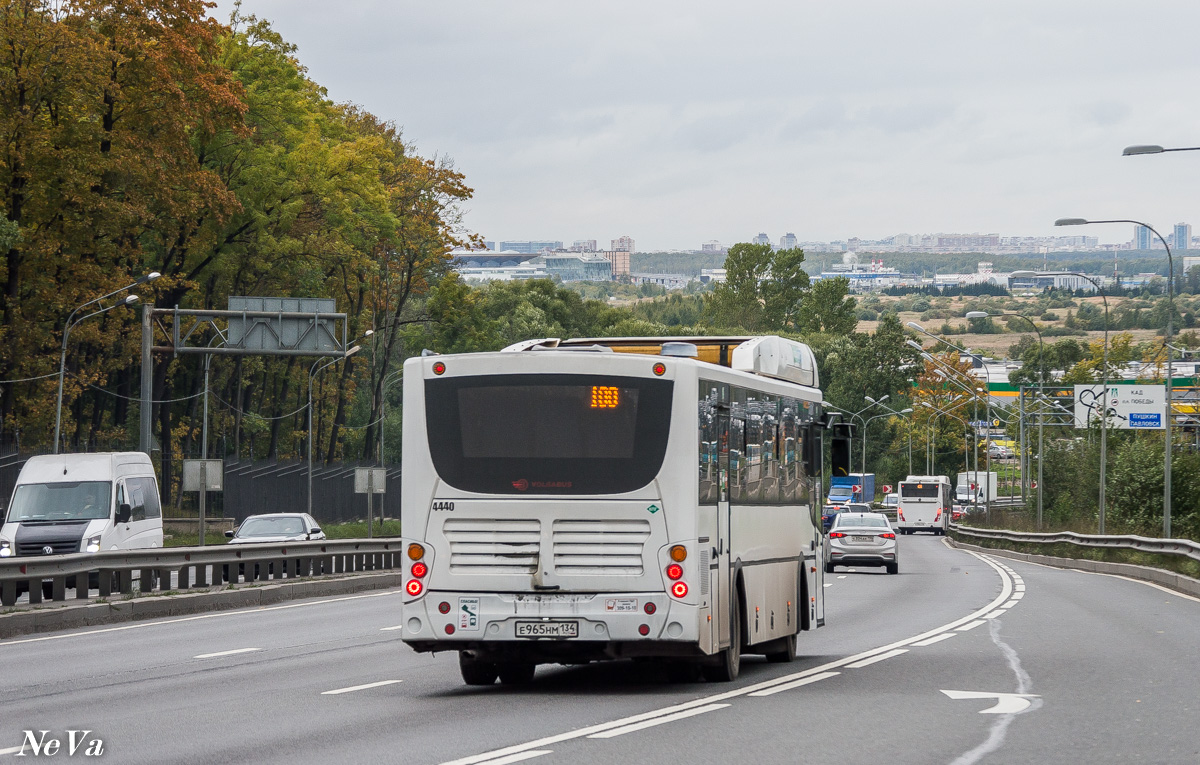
<point x="1141" y="238"/>
<point x="712" y="245"/>
<point x="622" y="244"/>
<point x="530" y="246"/>
<point x="584" y="245"/>
<point x="619" y="260"/>
<point x="1183" y="236"/>
<point x="787" y="241"/>
<point x="762" y="238"/>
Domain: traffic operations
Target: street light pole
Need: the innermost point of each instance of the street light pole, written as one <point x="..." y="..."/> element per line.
<point x="1170" y="411"/>
<point x="313" y="371"/>
<point x="62" y="361"/>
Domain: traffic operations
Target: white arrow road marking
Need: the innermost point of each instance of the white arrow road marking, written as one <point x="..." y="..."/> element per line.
<point x="358" y="687"/>
<point x="518" y="757"/>
<point x="657" y="721"/>
<point x="1006" y="703"/>
<point x="225" y="653"/>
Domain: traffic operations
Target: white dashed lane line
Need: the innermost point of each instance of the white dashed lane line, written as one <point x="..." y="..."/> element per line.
<point x="969" y="625"/>
<point x="935" y="639"/>
<point x="518" y="757"/>
<point x="872" y="660"/>
<point x="389" y="629"/>
<point x="226" y="653"/>
<point x="795" y="684"/>
<point x="353" y="688"/>
<point x="658" y="721"/>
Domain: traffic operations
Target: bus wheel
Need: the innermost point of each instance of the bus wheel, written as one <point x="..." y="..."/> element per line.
<point x="475" y="671"/>
<point x="729" y="662"/>
<point x="788" y="653"/>
<point x="515" y="672"/>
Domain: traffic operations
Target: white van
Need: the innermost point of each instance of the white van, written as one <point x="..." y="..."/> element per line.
<point x="72" y="503"/>
<point x="924" y="504"/>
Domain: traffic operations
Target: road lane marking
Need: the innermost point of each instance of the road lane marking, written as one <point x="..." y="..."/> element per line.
<point x="226" y="653"/>
<point x="353" y="688"/>
<point x="970" y="626"/>
<point x="1005" y="592"/>
<point x="842" y="576"/>
<point x="1006" y="703"/>
<point x="996" y="614"/>
<point x="874" y="659"/>
<point x="11" y="750"/>
<point x="518" y="757"/>
<point x="1018" y="595"/>
<point x="829" y="584"/>
<point x="1012" y="602"/>
<point x="795" y="684"/>
<point x="389" y="629"/>
<point x="217" y="615"/>
<point x="658" y="721"/>
<point x="935" y="639"/>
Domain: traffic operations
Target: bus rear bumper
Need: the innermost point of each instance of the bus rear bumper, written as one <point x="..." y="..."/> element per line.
<point x="553" y="627"/>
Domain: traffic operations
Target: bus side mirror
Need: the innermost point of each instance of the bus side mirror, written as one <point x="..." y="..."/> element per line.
<point x="811" y="452"/>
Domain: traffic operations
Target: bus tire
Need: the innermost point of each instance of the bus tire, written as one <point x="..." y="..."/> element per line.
<point x="828" y="568"/>
<point x="729" y="661"/>
<point x="515" y="672"/>
<point x="787" y="655"/>
<point x="475" y="671"/>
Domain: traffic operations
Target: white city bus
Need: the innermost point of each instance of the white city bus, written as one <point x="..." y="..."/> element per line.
<point x="925" y="504"/>
<point x="582" y="500"/>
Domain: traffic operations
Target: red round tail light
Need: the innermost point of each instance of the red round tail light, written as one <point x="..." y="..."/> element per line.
<point x="449" y="629"/>
<point x="679" y="589"/>
<point x="650" y="608"/>
<point x="438" y="368"/>
<point x="660" y="369"/>
<point x="674" y="571"/>
<point x="643" y="629"/>
<point x="414" y="587"/>
<point x="444" y="607"/>
<point x="419" y="569"/>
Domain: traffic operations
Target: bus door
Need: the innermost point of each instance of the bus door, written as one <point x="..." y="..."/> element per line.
<point x="722" y="588"/>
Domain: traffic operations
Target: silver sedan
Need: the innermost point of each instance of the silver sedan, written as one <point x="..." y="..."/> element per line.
<point x="861" y="539"/>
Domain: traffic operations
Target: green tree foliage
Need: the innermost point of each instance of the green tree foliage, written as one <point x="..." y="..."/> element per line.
<point x="828" y="308"/>
<point x="762" y="289"/>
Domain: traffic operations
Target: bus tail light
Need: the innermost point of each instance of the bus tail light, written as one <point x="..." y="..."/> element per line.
<point x="415" y="551"/>
<point x="449" y="629"/>
<point x="443" y="607"/>
<point x="899" y="514"/>
<point x="679" y="553"/>
<point x="419" y="569"/>
<point x="650" y="608"/>
<point x="679" y="590"/>
<point x="414" y="587"/>
<point x="674" y="571"/>
<point x="643" y="629"/>
<point x="938" y="517"/>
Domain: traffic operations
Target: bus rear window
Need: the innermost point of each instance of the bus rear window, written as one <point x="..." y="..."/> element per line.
<point x="547" y="434"/>
<point x="919" y="490"/>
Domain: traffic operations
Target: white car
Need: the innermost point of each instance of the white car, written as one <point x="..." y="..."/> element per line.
<point x="276" y="527"/>
<point x="861" y="539"/>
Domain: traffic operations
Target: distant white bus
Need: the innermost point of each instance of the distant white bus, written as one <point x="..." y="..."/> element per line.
<point x="924" y="504"/>
<point x="565" y="503"/>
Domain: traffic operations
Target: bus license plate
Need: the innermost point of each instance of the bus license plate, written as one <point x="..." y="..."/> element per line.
<point x="547" y="629"/>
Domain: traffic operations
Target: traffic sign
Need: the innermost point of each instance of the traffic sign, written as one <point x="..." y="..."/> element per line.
<point x="1130" y="407"/>
<point x="887" y="488"/>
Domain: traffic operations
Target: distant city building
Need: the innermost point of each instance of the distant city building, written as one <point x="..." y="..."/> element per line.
<point x="787" y="241"/>
<point x="667" y="281"/>
<point x="712" y="276"/>
<point x="1141" y="238"/>
<point x="1183" y="236"/>
<point x="530" y="246"/>
<point x="1190" y="262"/>
<point x="713" y="246"/>
<point x="460" y="259"/>
<point x="577" y="267"/>
<point x="762" y="239"/>
<point x="622" y="244"/>
<point x="584" y="245"/>
<point x="489" y="245"/>
<point x="619" y="260"/>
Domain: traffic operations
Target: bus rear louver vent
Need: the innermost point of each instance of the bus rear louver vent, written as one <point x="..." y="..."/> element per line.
<point x="612" y="547"/>
<point x="492" y="546"/>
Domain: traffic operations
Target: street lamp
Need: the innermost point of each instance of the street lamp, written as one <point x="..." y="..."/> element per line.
<point x="72" y="322"/>
<point x="1166" y="341"/>
<point x="313" y="371"/>
<point x="889" y="413"/>
<point x="901" y="414"/>
<point x="966" y="431"/>
<point x="1131" y="151"/>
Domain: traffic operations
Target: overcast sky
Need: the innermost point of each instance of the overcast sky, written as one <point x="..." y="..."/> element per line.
<point x="681" y="122"/>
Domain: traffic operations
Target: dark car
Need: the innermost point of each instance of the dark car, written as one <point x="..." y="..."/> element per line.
<point x="830" y="512"/>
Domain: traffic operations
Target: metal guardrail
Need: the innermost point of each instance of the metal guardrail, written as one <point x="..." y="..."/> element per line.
<point x="181" y="568"/>
<point x="1184" y="547"/>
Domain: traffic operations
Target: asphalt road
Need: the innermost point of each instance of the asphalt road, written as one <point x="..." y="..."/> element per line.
<point x="1106" y="669"/>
